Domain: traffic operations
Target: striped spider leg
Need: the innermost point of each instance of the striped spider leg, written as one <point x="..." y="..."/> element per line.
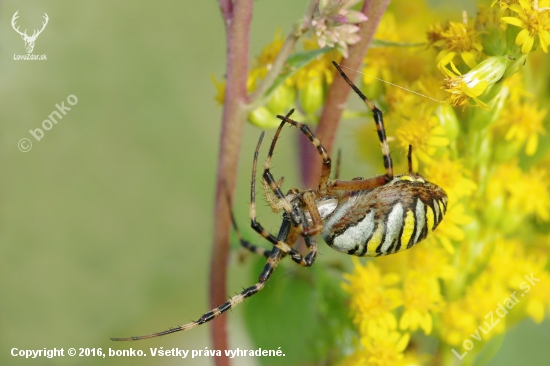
<point x="289" y="231"/>
<point x="364" y="217"/>
<point x="371" y="217"/>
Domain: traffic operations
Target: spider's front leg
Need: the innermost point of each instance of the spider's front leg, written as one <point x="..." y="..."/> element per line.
<point x="292" y="215"/>
<point x="308" y="197"/>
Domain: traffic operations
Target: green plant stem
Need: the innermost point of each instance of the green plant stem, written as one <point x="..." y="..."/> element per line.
<point x="338" y="94"/>
<point x="258" y="96"/>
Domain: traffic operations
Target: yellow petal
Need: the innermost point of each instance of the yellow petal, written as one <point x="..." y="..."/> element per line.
<point x="515" y="8"/>
<point x="446" y="243"/>
<point x="439" y="141"/>
<point x="402" y="343"/>
<point x="535" y="309"/>
<point x="512" y="20"/>
<point x="544" y="38"/>
<point x="426" y="323"/>
<point x="528" y="45"/>
<point x="446" y="58"/>
<point x="469" y="59"/>
<point x="532" y="143"/>
<point x="455" y="69"/>
<point x="520" y="38"/>
<point x="405" y="321"/>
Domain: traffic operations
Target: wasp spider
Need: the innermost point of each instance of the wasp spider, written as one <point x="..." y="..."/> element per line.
<point x="363" y="217"/>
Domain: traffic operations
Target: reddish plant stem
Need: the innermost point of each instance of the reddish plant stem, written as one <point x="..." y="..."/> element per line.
<point x="338" y="94"/>
<point x="237" y="15"/>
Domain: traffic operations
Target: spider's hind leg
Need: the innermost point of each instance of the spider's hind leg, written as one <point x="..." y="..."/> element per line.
<point x="271" y="264"/>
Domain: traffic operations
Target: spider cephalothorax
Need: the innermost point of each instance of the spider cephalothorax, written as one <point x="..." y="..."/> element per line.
<point x="364" y="217"/>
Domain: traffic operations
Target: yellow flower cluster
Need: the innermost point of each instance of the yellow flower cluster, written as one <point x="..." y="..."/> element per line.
<point x="488" y="259"/>
<point x="308" y="83"/>
<point x="486" y="266"/>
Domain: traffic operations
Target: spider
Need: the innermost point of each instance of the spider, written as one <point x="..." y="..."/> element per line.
<point x="363" y="217"/>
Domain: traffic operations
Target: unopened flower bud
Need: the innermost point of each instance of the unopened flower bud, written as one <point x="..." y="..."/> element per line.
<point x="263" y="118"/>
<point x="312" y="95"/>
<point x="282" y="99"/>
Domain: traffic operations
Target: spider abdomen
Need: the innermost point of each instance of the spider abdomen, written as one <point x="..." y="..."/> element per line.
<point x="387" y="219"/>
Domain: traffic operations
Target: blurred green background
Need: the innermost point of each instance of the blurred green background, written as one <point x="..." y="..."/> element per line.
<point x="106" y="223"/>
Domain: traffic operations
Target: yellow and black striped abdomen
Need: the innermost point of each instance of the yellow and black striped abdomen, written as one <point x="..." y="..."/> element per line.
<point x="387" y="219"/>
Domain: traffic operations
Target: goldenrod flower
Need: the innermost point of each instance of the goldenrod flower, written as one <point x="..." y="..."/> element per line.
<point x="493" y="240"/>
<point x="531" y="194"/>
<point x="473" y="84"/>
<point x="456" y="39"/>
<point x="432" y="261"/>
<point x="452" y="176"/>
<point x="451" y="229"/>
<point x="373" y="297"/>
<point x="457" y="323"/>
<point x="525" y="123"/>
<point x="534" y="21"/>
<point x="425" y="135"/>
<point x="384" y="349"/>
<point x="320" y="68"/>
<point x="421" y="298"/>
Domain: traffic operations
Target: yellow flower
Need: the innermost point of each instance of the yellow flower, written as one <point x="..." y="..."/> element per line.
<point x="452" y="176"/>
<point x="483" y="297"/>
<point x="456" y="39"/>
<point x="425" y="135"/>
<point x="320" y="68"/>
<point x="373" y="297"/>
<point x="450" y="229"/>
<point x="525" y="123"/>
<point x="473" y="84"/>
<point x="457" y="323"/>
<point x="534" y="22"/>
<point x="531" y="194"/>
<point x="504" y="176"/>
<point x="421" y="298"/>
<point x="432" y="261"/>
<point x="386" y="349"/>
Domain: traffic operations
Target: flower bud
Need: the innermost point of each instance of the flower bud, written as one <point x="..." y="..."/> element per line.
<point x="312" y="95"/>
<point x="475" y="82"/>
<point x="281" y="99"/>
<point x="489" y="70"/>
<point x="263" y="118"/>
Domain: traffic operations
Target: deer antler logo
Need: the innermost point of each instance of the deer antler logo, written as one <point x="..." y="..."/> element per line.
<point x="29" y="40"/>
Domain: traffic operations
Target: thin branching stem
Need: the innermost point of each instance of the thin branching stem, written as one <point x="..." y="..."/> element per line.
<point x="257" y="97"/>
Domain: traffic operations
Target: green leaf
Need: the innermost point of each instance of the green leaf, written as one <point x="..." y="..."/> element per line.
<point x="302" y="310"/>
<point x="295" y="62"/>
<point x="490" y="350"/>
<point x="379" y="43"/>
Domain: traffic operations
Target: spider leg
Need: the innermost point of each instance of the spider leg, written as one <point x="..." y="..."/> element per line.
<point x="310" y="241"/>
<point x="338" y="160"/>
<point x="357" y="184"/>
<point x="280" y="244"/>
<point x="271" y="198"/>
<point x="244" y="243"/>
<point x="270" y="265"/>
<point x="409" y="159"/>
<point x="326" y="167"/>
<point x="377" y="114"/>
